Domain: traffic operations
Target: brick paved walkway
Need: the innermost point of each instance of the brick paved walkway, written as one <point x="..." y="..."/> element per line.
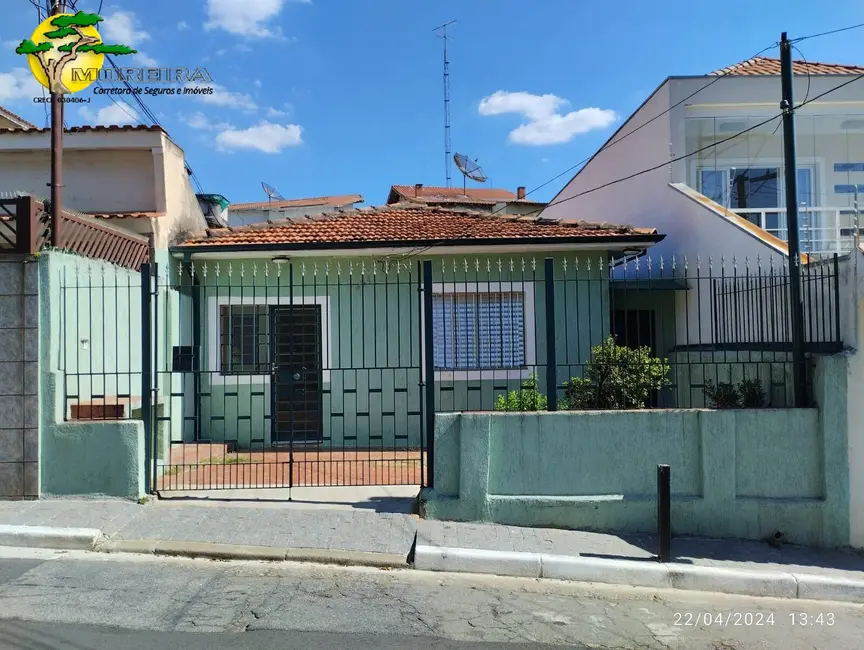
<point x="201" y="467"/>
<point x="361" y="528"/>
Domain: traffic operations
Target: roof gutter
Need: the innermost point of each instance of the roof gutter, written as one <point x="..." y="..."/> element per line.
<point x="616" y="242"/>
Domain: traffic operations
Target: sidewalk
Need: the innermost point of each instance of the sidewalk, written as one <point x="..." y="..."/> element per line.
<point x="376" y="528"/>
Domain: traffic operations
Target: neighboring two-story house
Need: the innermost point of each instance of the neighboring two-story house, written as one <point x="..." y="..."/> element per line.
<point x="703" y="159"/>
<point x="133" y="177"/>
<point x="482" y="199"/>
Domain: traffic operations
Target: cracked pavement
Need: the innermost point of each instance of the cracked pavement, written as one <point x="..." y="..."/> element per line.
<point x="198" y="601"/>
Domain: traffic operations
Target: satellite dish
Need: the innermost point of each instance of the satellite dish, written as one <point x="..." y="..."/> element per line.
<point x="469" y="168"/>
<point x="272" y="193"/>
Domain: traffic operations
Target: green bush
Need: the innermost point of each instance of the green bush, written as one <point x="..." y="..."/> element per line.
<point x="747" y="394"/>
<point x="526" y="399"/>
<point x="617" y="377"/>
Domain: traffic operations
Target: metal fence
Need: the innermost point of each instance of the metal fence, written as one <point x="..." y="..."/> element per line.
<point x="289" y="373"/>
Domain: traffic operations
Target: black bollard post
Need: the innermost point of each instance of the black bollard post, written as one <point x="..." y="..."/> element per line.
<point x="664" y="512"/>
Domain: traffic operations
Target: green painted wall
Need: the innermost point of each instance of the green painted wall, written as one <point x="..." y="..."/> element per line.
<point x="89" y="346"/>
<point x="735" y="473"/>
<point x="372" y="319"/>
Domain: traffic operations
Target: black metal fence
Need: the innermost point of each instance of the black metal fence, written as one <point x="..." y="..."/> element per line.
<point x="329" y="372"/>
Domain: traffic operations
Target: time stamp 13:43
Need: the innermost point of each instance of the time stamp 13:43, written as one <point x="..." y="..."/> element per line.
<point x="752" y="619"/>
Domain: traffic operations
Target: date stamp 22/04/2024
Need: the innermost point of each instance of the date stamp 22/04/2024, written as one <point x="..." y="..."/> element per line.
<point x="752" y="619"/>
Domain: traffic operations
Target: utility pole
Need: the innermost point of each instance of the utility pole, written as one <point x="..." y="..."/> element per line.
<point x="799" y="368"/>
<point x="56" y="183"/>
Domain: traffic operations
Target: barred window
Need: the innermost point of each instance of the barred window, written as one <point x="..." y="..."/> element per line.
<point x="475" y="331"/>
<point x="244" y="339"/>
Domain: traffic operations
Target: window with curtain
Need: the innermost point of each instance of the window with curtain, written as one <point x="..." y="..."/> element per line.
<point x="244" y="339"/>
<point x="474" y="331"/>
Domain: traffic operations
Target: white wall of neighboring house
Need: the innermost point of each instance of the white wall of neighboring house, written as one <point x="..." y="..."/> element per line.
<point x="647" y="199"/>
<point x="260" y="215"/>
<point x="109" y="172"/>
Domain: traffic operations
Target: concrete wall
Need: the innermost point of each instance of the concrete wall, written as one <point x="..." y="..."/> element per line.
<point x="19" y="367"/>
<point x="742" y="473"/>
<point x="121" y="180"/>
<point x="90" y="337"/>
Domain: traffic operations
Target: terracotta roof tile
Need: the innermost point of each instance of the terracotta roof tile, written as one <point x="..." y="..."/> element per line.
<point x="5" y="112"/>
<point x="476" y="195"/>
<point x="763" y="65"/>
<point x="125" y="215"/>
<point x="92" y="128"/>
<point x="338" y="201"/>
<point x="417" y="224"/>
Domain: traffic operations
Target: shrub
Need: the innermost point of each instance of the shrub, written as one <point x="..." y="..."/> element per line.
<point x="617" y="377"/>
<point x="722" y="396"/>
<point x="528" y="398"/>
<point x="747" y="394"/>
<point x="752" y="393"/>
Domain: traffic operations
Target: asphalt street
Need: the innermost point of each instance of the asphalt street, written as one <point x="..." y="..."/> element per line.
<point x="73" y="600"/>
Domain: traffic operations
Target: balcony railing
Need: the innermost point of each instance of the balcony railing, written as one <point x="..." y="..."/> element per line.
<point x="822" y="231"/>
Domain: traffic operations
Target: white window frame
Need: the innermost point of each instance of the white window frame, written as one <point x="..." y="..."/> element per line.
<point x="527" y="291"/>
<point x="214" y="305"/>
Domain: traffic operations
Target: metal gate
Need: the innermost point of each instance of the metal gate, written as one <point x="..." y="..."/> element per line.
<point x="281" y="375"/>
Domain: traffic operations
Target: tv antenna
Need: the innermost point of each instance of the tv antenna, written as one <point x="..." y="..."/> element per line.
<point x="470" y="169"/>
<point x="272" y="193"/>
<point x="441" y="30"/>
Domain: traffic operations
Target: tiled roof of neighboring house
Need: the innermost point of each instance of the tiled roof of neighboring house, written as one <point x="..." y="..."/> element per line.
<point x="763" y="65"/>
<point x="415" y="224"/>
<point x="9" y="115"/>
<point x="450" y="194"/>
<point x="92" y="128"/>
<point x="337" y="201"/>
<point x="125" y="215"/>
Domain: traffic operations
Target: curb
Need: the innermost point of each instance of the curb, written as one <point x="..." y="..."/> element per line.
<point x="639" y="574"/>
<point x="74" y="539"/>
<point x="205" y="550"/>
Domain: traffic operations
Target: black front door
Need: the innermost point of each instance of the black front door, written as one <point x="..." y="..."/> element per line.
<point x="297" y="378"/>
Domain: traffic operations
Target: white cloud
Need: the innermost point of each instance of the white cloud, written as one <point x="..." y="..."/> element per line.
<point x="200" y="121"/>
<point x="266" y="137"/>
<point x="254" y="19"/>
<point x="273" y="113"/>
<point x="545" y="123"/>
<point x="122" y="28"/>
<point x="182" y="26"/>
<point x="119" y="113"/>
<point x="223" y="97"/>
<point x="257" y="83"/>
<point x="18" y="84"/>
<point x="11" y="44"/>
<point x="146" y="60"/>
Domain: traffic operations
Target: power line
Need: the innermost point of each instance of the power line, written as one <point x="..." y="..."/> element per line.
<point x="828" y="33"/>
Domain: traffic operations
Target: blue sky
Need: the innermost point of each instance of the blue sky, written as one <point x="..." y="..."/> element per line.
<point x="342" y="96"/>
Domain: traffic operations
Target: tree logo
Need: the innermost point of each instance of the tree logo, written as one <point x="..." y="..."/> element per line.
<point x="66" y="52"/>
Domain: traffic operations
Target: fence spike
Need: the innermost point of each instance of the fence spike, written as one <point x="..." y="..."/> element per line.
<point x="326" y="269"/>
<point x="576" y="263"/>
<point x="266" y="270"/>
<point x="662" y="265"/>
<point x="204" y="269"/>
<point x="649" y="262"/>
<point x="734" y="263"/>
<point x="747" y="263"/>
<point x="350" y="267"/>
<point x="534" y="263"/>
<point x="564" y="264"/>
<point x="675" y="263"/>
<point x="477" y="265"/>
<point x="217" y="269"/>
<point x="303" y="269"/>
<point x="254" y="269"/>
<point x="465" y="264"/>
<point x="759" y="262"/>
<point x="522" y="260"/>
<point x="500" y="265"/>
<point x="635" y="263"/>
<point x="488" y="265"/>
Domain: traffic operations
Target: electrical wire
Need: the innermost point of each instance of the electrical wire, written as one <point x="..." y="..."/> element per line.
<point x="828" y="33"/>
<point x="663" y="164"/>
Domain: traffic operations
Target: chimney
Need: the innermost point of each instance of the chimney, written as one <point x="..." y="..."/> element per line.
<point x="520" y="192"/>
<point x="418" y="190"/>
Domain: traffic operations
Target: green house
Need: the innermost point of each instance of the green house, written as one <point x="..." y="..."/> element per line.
<point x="314" y="331"/>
